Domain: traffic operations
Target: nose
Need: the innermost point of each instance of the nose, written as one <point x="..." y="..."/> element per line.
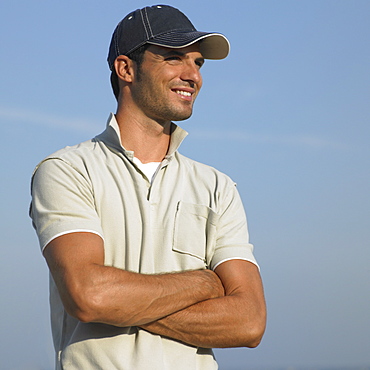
<point x="191" y="73"/>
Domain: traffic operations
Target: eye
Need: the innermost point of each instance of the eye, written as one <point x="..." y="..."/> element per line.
<point x="199" y="63"/>
<point x="174" y="57"/>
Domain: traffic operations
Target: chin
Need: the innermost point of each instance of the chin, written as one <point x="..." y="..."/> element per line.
<point x="182" y="116"/>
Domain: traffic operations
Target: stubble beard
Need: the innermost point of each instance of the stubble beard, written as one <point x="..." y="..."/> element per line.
<point x="156" y="107"/>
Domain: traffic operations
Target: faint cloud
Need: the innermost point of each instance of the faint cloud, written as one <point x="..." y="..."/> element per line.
<point x="51" y="121"/>
<point x="82" y="125"/>
<point x="303" y="140"/>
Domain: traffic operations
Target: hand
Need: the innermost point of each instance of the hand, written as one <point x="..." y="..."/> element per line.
<point x="215" y="284"/>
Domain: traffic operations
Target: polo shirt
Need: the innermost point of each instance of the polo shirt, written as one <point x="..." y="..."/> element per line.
<point x="188" y="217"/>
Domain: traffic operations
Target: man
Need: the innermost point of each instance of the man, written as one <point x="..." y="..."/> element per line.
<point x="148" y="250"/>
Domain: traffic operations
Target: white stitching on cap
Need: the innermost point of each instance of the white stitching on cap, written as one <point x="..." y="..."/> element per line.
<point x="146" y="15"/>
<point x="142" y="19"/>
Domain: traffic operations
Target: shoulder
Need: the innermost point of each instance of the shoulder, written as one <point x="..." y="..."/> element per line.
<point x="75" y="152"/>
<point x="75" y="157"/>
<point x="201" y="171"/>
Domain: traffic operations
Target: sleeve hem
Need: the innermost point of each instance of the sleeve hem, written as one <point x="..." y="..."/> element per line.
<point x="236" y="258"/>
<point x="70" y="232"/>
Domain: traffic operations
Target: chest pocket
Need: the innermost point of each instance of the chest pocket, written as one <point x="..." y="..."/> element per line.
<point x="195" y="231"/>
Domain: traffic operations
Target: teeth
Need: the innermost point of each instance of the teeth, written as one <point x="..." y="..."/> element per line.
<point x="184" y="93"/>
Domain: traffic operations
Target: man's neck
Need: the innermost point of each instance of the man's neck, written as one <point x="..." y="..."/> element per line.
<point x="148" y="139"/>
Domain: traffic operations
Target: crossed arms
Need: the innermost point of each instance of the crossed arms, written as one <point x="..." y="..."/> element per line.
<point x="225" y="308"/>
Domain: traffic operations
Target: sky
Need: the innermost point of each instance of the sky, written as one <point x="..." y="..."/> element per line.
<point x="286" y="116"/>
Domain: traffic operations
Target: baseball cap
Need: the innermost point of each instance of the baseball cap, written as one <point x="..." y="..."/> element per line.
<point x="165" y="26"/>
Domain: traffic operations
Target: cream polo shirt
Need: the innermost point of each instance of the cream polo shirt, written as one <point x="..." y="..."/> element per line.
<point x="189" y="217"/>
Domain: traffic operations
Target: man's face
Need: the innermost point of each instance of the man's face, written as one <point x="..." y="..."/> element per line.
<point x="168" y="83"/>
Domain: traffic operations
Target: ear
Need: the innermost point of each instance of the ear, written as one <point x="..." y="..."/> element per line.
<point x="124" y="67"/>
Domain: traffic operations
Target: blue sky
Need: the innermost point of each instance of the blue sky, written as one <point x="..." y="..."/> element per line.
<point x="286" y="115"/>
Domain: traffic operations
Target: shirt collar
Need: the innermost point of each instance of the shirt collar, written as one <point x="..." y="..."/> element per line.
<point x="111" y="136"/>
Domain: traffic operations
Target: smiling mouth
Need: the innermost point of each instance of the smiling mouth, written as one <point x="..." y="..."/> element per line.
<point x="183" y="93"/>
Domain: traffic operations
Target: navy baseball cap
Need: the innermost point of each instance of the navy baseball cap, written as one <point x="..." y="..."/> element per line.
<point x="165" y="26"/>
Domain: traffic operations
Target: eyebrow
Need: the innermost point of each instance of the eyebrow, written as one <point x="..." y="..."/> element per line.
<point x="174" y="52"/>
<point x="180" y="54"/>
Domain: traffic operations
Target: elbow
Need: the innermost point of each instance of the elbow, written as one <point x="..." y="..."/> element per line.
<point x="90" y="306"/>
<point x="253" y="337"/>
<point x="80" y="311"/>
<point x="254" y="341"/>
<point x="82" y="305"/>
<point x="82" y="314"/>
<point x="244" y="336"/>
<point x="253" y="333"/>
<point x="255" y="327"/>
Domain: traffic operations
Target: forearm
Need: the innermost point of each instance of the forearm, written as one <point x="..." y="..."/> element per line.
<point x="93" y="292"/>
<point x="235" y="320"/>
<point x="216" y="323"/>
<point x="127" y="298"/>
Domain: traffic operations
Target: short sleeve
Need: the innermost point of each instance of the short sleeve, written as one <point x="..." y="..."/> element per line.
<point x="232" y="231"/>
<point x="62" y="201"/>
